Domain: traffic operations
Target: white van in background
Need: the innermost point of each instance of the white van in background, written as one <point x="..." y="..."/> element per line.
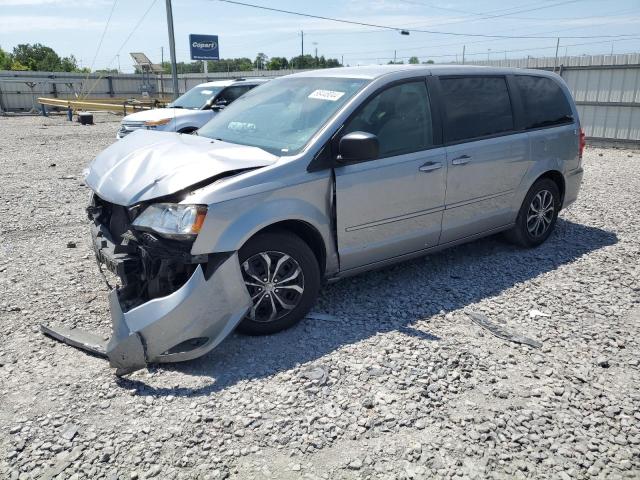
<point x="191" y="110"/>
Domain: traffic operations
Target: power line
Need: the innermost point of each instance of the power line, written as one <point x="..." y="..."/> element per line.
<point x="432" y="46"/>
<point x="488" y="17"/>
<point x="104" y="31"/>
<point x="387" y="27"/>
<point x="144" y="15"/>
<point x="455" y="10"/>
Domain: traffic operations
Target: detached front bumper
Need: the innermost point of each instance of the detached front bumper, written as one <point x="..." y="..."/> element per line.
<point x="182" y="325"/>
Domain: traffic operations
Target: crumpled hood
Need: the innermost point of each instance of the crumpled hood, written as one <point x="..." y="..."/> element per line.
<point x="158" y="114"/>
<point x="146" y="165"/>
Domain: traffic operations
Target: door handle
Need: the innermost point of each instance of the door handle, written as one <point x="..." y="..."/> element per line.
<point x="430" y="166"/>
<point x="461" y="160"/>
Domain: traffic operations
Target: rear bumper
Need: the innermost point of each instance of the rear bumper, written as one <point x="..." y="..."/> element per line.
<point x="573" y="180"/>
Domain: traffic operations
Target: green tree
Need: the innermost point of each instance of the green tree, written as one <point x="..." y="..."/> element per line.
<point x="37" y="57"/>
<point x="428" y="62"/>
<point x="277" y="63"/>
<point x="414" y="61"/>
<point x="5" y="60"/>
<point x="260" y="62"/>
<point x="69" y="64"/>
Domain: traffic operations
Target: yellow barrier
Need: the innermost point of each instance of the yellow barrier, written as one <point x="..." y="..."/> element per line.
<point x="110" y="104"/>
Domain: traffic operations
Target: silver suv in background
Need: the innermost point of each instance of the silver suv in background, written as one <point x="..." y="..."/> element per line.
<point x="191" y="110"/>
<point x="314" y="177"/>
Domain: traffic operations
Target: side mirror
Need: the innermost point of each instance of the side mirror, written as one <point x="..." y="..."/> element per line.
<point x="220" y="103"/>
<point x="358" y="146"/>
<point x="216" y="104"/>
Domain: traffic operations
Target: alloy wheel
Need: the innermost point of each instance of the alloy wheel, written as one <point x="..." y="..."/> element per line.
<point x="275" y="282"/>
<point x="540" y="214"/>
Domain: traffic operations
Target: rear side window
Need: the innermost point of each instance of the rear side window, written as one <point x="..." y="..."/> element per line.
<point x="544" y="102"/>
<point x="476" y="107"/>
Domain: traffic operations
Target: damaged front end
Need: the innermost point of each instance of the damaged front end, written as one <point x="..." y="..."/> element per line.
<point x="171" y="305"/>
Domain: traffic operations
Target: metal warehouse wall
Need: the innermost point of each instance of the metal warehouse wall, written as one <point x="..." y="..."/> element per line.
<point x="608" y="101"/>
<point x="19" y="90"/>
<point x="606" y="88"/>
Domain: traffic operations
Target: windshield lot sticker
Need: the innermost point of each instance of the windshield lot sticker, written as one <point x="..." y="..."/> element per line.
<point x="241" y="126"/>
<point x="330" y="95"/>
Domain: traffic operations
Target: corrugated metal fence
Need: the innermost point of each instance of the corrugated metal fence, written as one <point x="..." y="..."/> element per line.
<point x="606" y="88"/>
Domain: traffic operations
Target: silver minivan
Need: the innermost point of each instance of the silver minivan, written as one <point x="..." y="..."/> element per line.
<point x="313" y="177"/>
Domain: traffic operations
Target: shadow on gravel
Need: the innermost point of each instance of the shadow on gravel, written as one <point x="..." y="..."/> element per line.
<point x="388" y="300"/>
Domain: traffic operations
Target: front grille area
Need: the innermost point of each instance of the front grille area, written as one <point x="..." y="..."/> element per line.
<point x="127" y="127"/>
<point x="148" y="266"/>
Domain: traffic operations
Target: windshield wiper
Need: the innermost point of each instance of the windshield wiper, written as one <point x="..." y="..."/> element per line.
<point x="177" y="106"/>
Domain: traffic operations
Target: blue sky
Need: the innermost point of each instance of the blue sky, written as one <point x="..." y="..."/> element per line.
<point x="75" y="26"/>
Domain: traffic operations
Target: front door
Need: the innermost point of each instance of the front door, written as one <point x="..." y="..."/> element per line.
<point x="391" y="205"/>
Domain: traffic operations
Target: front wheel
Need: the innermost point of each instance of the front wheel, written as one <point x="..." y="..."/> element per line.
<point x="538" y="214"/>
<point x="282" y="276"/>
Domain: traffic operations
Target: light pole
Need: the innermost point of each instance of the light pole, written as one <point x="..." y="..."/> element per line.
<point x="172" y="49"/>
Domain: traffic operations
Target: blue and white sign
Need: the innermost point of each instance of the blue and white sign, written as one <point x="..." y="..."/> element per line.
<point x="204" y="47"/>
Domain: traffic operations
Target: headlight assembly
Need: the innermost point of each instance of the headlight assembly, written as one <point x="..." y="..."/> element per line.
<point x="157" y="123"/>
<point x="172" y="220"/>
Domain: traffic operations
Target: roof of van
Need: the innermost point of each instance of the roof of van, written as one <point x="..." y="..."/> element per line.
<point x="233" y="81"/>
<point x="374" y="71"/>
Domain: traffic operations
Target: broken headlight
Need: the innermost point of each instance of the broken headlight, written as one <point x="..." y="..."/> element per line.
<point x="172" y="220"/>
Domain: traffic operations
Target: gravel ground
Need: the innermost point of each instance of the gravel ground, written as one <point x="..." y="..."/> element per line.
<point x="397" y="382"/>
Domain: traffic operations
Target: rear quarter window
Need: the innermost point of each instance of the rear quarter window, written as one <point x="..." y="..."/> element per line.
<point x="544" y="102"/>
<point x="475" y="107"/>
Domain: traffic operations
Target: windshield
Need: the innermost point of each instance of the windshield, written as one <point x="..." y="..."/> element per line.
<point x="195" y="98"/>
<point x="282" y="115"/>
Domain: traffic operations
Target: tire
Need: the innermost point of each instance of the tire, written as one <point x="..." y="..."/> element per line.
<point x="530" y="232"/>
<point x="290" y="303"/>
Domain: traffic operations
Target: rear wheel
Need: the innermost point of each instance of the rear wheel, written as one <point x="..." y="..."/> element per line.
<point x="538" y="214"/>
<point x="282" y="276"/>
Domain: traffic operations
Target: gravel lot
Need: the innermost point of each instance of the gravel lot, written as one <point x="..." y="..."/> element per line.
<point x="397" y="383"/>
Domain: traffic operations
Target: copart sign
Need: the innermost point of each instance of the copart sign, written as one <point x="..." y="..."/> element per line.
<point x="204" y="47"/>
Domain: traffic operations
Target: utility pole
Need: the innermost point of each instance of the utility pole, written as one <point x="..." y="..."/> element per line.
<point x="118" y="55"/>
<point x="206" y="68"/>
<point x="301" y="44"/>
<point x="394" y="57"/>
<point x="162" y="72"/>
<point x="555" y="61"/>
<point x="463" y="48"/>
<point x="172" y="49"/>
<point x="342" y="60"/>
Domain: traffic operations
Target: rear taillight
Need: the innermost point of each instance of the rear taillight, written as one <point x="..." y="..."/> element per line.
<point x="582" y="143"/>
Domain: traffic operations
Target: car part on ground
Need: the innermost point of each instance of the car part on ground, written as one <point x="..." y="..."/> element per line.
<point x="501" y="331"/>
